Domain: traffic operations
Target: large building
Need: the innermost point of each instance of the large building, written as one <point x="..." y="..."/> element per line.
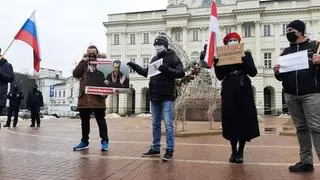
<point x="261" y="23"/>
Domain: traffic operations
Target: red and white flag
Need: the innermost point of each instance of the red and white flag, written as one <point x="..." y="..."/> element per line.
<point x="214" y="30"/>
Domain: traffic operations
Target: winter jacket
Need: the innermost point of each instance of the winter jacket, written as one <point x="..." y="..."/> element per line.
<point x="6" y="76"/>
<point x="35" y="99"/>
<point x="304" y="81"/>
<point x="86" y="100"/>
<point x="15" y="98"/>
<point x="162" y="86"/>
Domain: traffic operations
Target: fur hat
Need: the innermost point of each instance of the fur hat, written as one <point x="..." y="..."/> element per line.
<point x="161" y="40"/>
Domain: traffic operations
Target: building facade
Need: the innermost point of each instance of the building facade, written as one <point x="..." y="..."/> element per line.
<point x="261" y="24"/>
<point x="46" y="78"/>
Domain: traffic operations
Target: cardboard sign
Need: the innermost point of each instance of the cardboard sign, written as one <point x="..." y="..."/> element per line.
<point x="107" y="77"/>
<point x="230" y="54"/>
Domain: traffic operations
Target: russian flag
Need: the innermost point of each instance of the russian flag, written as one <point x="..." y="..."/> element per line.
<point x="214" y="30"/>
<point x="28" y="33"/>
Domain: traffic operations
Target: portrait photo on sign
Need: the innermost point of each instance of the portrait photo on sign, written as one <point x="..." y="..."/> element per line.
<point x="107" y="77"/>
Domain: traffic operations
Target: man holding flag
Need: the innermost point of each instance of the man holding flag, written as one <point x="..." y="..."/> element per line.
<point x="6" y="76"/>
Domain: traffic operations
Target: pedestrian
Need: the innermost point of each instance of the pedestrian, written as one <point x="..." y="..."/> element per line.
<point x="6" y="76"/>
<point x="302" y="94"/>
<point x="34" y="103"/>
<point x="162" y="95"/>
<point x="238" y="110"/>
<point x="15" y="97"/>
<point x="88" y="104"/>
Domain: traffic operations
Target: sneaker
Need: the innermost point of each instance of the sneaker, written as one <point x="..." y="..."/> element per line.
<point x="301" y="167"/>
<point x="32" y="125"/>
<point x="151" y="153"/>
<point x="6" y="125"/>
<point x="81" y="146"/>
<point x="104" y="146"/>
<point x="168" y="156"/>
<point x="233" y="157"/>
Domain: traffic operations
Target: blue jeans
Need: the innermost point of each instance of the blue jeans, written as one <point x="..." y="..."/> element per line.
<point x="162" y="110"/>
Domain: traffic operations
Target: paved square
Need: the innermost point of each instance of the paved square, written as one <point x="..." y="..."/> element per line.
<point x="46" y="153"/>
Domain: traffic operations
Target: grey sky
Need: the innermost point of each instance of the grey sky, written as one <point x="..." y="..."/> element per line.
<point x="65" y="28"/>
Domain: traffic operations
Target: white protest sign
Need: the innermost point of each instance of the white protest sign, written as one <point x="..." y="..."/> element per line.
<point x="293" y="62"/>
<point x="153" y="68"/>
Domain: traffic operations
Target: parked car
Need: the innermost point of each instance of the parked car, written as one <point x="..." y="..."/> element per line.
<point x="26" y="114"/>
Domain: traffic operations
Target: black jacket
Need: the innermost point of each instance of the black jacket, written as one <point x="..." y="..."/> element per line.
<point x="35" y="99"/>
<point x="15" y="98"/>
<point x="162" y="86"/>
<point x="6" y="76"/>
<point x="304" y="81"/>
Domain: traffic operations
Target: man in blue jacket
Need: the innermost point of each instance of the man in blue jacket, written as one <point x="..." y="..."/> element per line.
<point x="302" y="95"/>
<point x="162" y="95"/>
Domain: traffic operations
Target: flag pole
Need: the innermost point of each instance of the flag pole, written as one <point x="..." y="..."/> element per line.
<point x="1" y="56"/>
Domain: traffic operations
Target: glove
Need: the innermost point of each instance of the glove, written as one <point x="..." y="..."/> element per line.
<point x="163" y="68"/>
<point x="215" y="61"/>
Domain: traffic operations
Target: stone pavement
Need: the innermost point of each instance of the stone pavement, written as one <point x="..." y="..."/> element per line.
<point x="46" y="153"/>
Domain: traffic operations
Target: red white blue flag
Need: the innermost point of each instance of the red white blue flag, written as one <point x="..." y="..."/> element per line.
<point x="214" y="30"/>
<point x="28" y="34"/>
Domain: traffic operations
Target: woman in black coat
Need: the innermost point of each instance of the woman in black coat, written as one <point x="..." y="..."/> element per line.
<point x="239" y="113"/>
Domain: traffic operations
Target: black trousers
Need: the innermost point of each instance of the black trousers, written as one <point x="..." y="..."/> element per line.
<point x="35" y="115"/>
<point x="99" y="114"/>
<point x="13" y="111"/>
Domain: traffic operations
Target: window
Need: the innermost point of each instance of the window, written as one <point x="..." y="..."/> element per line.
<point x="195" y="34"/>
<point x="59" y="93"/>
<point x="266" y="30"/>
<point x="132" y="39"/>
<point x="267" y="60"/>
<point x="116" y="39"/>
<point x="145" y="62"/>
<point x="64" y="93"/>
<point x="55" y="94"/>
<point x="247" y="30"/>
<point x="134" y="61"/>
<point x="177" y="36"/>
<point x="284" y="29"/>
<point x="145" y="38"/>
<point x="71" y="92"/>
<point x="195" y="56"/>
<point x="228" y="29"/>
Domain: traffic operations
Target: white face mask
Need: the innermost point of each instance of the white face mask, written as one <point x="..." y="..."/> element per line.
<point x="160" y="48"/>
<point x="232" y="42"/>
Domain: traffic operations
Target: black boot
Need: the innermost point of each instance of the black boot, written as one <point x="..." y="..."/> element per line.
<point x="32" y="125"/>
<point x="233" y="157"/>
<point x="239" y="157"/>
<point x="6" y="125"/>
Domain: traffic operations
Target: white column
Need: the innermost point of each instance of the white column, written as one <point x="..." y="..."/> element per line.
<point x="123" y="100"/>
<point x="258" y="45"/>
<point x="138" y="101"/>
<point x="203" y="35"/>
<point x="115" y="103"/>
<point x="124" y="44"/>
<point x="277" y="43"/>
<point x="109" y="104"/>
<point x="109" y="43"/>
<point x="185" y="38"/>
<point x="278" y="99"/>
<point x="239" y="29"/>
<point x="168" y="31"/>
<point x="315" y="29"/>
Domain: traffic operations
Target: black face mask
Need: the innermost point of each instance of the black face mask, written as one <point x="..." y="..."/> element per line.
<point x="292" y="37"/>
